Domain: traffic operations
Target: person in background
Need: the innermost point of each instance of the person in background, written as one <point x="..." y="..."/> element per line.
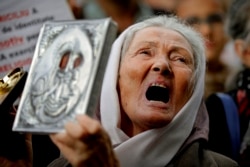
<point x="76" y="8"/>
<point x="208" y="18"/>
<point x="124" y="12"/>
<point x="238" y="27"/>
<point x="162" y="6"/>
<point x="152" y="111"/>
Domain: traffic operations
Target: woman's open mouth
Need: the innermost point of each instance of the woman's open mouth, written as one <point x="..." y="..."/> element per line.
<point x="158" y="92"/>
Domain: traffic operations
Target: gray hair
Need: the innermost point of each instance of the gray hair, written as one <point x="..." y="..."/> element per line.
<point x="173" y="23"/>
<point x="238" y="21"/>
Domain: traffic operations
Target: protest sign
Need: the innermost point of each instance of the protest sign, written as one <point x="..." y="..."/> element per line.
<point x="20" y="23"/>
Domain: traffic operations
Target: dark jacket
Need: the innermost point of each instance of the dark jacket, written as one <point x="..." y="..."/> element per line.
<point x="219" y="135"/>
<point x="195" y="152"/>
<point x="196" y="155"/>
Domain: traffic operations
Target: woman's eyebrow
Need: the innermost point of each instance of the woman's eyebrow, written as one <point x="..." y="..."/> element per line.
<point x="180" y="48"/>
<point x="149" y="43"/>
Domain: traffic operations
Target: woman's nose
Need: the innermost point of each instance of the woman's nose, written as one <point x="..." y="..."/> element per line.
<point x="162" y="67"/>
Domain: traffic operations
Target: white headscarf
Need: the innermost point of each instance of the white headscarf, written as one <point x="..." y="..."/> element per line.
<point x="152" y="148"/>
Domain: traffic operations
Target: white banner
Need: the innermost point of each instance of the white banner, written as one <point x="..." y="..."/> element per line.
<point x="20" y="23"/>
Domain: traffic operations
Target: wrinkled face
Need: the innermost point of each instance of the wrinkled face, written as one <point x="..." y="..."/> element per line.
<point x="207" y="16"/>
<point x="154" y="78"/>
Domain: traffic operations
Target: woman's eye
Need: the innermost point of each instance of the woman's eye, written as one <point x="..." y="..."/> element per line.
<point x="145" y="52"/>
<point x="179" y="59"/>
<point x="182" y="59"/>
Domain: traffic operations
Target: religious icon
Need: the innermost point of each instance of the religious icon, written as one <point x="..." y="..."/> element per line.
<point x="63" y="74"/>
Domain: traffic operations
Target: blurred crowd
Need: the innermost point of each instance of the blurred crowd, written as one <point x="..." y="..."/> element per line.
<point x="225" y="28"/>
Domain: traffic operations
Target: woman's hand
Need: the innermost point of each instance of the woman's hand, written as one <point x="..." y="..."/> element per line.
<point x="85" y="143"/>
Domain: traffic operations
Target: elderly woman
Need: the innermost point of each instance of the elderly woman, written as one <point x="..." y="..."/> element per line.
<point x="151" y="104"/>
